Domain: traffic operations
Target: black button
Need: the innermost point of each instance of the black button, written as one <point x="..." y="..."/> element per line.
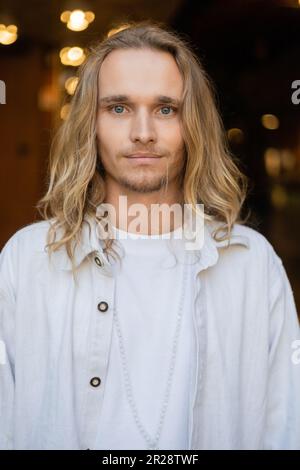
<point x="95" y="382"/>
<point x="102" y="306"/>
<point x="98" y="261"/>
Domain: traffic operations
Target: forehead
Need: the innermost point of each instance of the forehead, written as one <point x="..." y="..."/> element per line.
<point x="141" y="72"/>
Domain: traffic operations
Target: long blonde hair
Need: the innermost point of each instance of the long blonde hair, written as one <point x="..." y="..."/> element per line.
<point x="76" y="186"/>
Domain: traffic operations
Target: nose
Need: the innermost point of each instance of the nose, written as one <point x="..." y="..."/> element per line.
<point x="142" y="128"/>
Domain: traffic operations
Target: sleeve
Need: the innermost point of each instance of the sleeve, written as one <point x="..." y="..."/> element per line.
<point x="282" y="430"/>
<point x="7" y="312"/>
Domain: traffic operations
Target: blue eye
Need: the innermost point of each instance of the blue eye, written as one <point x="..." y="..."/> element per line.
<point x="167" y="107"/>
<point x="117" y="106"/>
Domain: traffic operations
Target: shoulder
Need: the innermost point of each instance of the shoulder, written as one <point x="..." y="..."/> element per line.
<point x="23" y="247"/>
<point x="257" y="243"/>
<point x="252" y="234"/>
<point x="251" y="258"/>
<point x="31" y="237"/>
<point x="250" y="246"/>
<point x="244" y="235"/>
<point x="21" y="254"/>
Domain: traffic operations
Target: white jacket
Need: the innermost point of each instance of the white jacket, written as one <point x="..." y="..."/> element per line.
<point x="54" y="340"/>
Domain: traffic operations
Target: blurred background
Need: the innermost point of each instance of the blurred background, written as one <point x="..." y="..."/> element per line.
<point x="251" y="50"/>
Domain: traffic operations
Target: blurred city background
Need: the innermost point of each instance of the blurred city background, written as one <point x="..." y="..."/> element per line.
<point x="251" y="50"/>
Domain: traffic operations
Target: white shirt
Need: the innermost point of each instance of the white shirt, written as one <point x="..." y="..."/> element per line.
<point x="247" y="390"/>
<point x="147" y="323"/>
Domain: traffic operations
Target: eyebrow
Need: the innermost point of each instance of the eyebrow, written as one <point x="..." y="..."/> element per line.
<point x="126" y="99"/>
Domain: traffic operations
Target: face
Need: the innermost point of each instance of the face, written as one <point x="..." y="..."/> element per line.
<point x="135" y="116"/>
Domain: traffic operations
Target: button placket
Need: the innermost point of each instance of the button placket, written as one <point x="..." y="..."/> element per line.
<point x="100" y="341"/>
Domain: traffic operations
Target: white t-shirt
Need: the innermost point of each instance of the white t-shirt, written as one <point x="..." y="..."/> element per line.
<point x="148" y="291"/>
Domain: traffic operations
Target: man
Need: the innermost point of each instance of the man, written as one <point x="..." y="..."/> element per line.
<point x="120" y="342"/>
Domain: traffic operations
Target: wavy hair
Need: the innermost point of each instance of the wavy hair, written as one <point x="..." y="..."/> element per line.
<point x="75" y="184"/>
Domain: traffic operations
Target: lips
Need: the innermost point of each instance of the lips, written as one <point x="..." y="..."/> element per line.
<point x="143" y="155"/>
<point x="143" y="159"/>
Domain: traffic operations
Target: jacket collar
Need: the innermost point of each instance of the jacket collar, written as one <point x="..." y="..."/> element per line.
<point x="91" y="245"/>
